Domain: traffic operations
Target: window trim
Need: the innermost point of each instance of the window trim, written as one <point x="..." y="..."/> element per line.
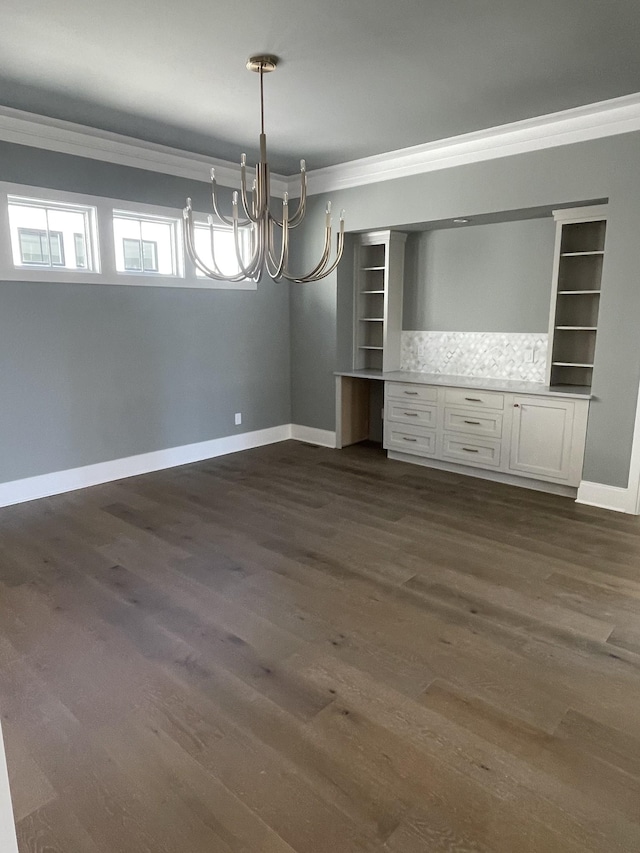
<point x="16" y="195"/>
<point x="103" y="252"/>
<point x="177" y="248"/>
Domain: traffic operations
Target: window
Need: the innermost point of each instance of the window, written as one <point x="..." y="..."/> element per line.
<point x="55" y="236"/>
<point x="140" y="255"/>
<point x="41" y="247"/>
<point x="81" y="251"/>
<point x="147" y="246"/>
<point x="49" y="234"/>
<point x="224" y="247"/>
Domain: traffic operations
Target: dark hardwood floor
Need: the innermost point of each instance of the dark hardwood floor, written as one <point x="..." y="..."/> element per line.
<point x="299" y="650"/>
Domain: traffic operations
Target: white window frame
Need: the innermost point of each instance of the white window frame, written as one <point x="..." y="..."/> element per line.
<point x="177" y="249"/>
<point x="104" y="262"/>
<point x="46" y="202"/>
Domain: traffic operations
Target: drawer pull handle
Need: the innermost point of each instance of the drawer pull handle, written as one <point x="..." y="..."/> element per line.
<point x="404" y="438"/>
<point x="471" y="450"/>
<point x="475" y="423"/>
<point x="412" y="393"/>
<point x="411" y="414"/>
<point x="473" y="399"/>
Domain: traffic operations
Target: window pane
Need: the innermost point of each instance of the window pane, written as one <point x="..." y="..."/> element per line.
<point x="57" y="248"/>
<point x="33" y="246"/>
<point x="150" y="255"/>
<point x="45" y="234"/>
<point x="80" y="250"/>
<point x="155" y="245"/>
<point x="132" y="253"/>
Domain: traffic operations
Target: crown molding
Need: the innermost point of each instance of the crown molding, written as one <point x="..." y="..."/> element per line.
<point x="65" y="137"/>
<point x="580" y="124"/>
<point x="593" y="121"/>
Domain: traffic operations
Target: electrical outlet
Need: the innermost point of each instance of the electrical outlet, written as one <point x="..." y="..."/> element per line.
<point x="238" y="418"/>
<point x="528" y="356"/>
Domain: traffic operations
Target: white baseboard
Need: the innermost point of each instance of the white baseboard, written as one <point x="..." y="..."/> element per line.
<point x="311" y="435"/>
<point x="607" y="497"/>
<point x="8" y="842"/>
<point x="45" y="485"/>
<point x="58" y="482"/>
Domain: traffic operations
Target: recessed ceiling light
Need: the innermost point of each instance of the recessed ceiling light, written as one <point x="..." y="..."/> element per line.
<point x="462" y="221"/>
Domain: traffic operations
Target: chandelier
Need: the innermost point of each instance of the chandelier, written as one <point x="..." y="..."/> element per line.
<point x="257" y="247"/>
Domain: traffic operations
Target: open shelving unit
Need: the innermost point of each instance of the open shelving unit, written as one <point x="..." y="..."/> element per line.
<point x="575" y="301"/>
<point x="378" y="279"/>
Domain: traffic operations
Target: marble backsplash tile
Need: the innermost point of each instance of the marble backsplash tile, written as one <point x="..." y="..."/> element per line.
<point x="489" y="355"/>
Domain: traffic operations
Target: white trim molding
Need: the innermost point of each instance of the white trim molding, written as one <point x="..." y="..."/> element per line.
<point x="8" y="841"/>
<point x="58" y="482"/>
<point x="580" y="124"/>
<point x="616" y="497"/>
<point x="608" y="497"/>
<point x="66" y="137"/>
<point x="593" y="121"/>
<point x="311" y="435"/>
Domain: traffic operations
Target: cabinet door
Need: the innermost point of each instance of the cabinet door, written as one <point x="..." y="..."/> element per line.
<point x="542" y="437"/>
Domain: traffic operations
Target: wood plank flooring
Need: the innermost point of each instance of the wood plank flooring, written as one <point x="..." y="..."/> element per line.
<point x="300" y="650"/>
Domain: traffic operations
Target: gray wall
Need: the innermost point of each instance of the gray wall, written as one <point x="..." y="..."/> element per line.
<point x="605" y="168"/>
<point x="480" y="278"/>
<point x="90" y="373"/>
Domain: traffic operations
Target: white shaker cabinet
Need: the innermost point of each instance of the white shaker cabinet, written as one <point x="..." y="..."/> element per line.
<point x="518" y="437"/>
<point x="547" y="438"/>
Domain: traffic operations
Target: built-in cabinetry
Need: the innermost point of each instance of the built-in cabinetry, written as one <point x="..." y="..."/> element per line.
<point x="540" y="437"/>
<point x="575" y="299"/>
<point x="378" y="280"/>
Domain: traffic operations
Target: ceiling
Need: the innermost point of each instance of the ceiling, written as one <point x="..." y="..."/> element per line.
<point x="357" y="77"/>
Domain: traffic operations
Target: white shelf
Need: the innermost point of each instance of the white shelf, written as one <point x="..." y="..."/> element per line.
<point x="570" y="364"/>
<point x="378" y="267"/>
<point x="580" y="234"/>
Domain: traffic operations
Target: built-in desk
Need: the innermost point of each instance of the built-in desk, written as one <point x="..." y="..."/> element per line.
<point x="527" y="433"/>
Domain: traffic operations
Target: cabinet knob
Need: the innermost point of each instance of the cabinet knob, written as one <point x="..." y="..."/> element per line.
<point x="516" y="405"/>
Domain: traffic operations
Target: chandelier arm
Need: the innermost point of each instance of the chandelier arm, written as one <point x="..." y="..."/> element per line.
<point x="298" y="216"/>
<point x="325" y="272"/>
<point x="249" y="207"/>
<point x="326" y="252"/>
<point x="276" y="271"/>
<point x="197" y="261"/>
<point x="213" y="249"/>
<point x="257" y="259"/>
<point x="323" y="269"/>
<point x="225" y="220"/>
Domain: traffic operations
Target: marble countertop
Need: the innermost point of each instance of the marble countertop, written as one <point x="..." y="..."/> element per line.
<point x="513" y="386"/>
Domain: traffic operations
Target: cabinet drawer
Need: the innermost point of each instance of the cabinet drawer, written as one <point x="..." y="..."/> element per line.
<point x="482" y="452"/>
<point x="406" y="391"/>
<point x="472" y="422"/>
<point x="409" y="439"/>
<point x="411" y="413"/>
<point x="474" y="399"/>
